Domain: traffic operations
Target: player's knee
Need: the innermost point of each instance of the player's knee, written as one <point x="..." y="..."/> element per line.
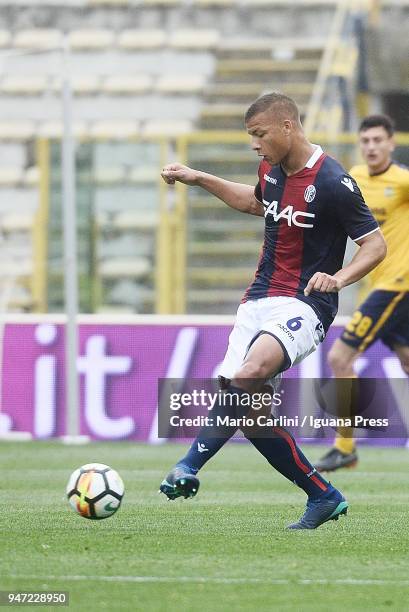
<point x="404" y="360"/>
<point x="339" y="360"/>
<point x="405" y="367"/>
<point x="251" y="370"/>
<point x="334" y="358"/>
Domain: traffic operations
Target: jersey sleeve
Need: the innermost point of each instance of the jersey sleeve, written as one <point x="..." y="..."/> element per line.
<point x="258" y="193"/>
<point x="406" y="182"/>
<point x="351" y="209"/>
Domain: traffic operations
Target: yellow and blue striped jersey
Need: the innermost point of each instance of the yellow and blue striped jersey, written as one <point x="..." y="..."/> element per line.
<point x="387" y="196"/>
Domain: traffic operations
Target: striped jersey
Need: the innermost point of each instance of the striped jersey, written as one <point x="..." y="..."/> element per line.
<point x="308" y="217"/>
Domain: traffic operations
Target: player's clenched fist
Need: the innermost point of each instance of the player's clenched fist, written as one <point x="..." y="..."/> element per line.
<point x="177" y="172"/>
<point x="325" y="283"/>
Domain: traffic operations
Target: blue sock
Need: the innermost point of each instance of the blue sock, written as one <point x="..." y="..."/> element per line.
<point x="212" y="438"/>
<point x="282" y="452"/>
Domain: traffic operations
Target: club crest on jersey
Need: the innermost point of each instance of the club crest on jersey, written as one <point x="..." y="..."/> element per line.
<point x="348" y="183"/>
<point x="310" y="193"/>
<point x="293" y="217"/>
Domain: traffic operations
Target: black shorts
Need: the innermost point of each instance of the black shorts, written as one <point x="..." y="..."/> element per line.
<point x="384" y="315"/>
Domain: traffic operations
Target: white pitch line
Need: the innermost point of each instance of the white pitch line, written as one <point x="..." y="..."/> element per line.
<point x="208" y="580"/>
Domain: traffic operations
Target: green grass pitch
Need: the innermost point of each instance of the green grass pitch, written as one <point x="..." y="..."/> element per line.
<point x="226" y="550"/>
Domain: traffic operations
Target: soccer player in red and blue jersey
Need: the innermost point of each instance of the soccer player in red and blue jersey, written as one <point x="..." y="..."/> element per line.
<point x="310" y="206"/>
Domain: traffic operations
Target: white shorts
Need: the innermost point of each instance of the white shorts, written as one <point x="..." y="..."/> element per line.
<point x="291" y="321"/>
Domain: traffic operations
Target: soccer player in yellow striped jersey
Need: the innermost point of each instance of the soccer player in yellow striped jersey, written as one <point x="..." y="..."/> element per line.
<point x="384" y="313"/>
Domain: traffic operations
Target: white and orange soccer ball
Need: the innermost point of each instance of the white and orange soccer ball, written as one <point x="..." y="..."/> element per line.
<point x="95" y="491"/>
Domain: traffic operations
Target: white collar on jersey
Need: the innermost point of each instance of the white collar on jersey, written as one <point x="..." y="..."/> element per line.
<point x="314" y="157"/>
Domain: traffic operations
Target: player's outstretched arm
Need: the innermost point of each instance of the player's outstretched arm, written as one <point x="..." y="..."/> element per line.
<point x="371" y="252"/>
<point x="236" y="195"/>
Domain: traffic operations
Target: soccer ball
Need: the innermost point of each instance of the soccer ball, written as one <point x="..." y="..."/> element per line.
<point x="95" y="491"/>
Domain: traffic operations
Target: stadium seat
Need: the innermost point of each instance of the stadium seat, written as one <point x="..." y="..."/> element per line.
<point x="37" y="39"/>
<point x="210" y="277"/>
<point x="54" y="129"/>
<point x="224" y="110"/>
<point x="91" y="39"/>
<point x="134" y="219"/>
<point x="114" y="129"/>
<point x="193" y="83"/>
<point x="117" y="267"/>
<point x="10" y="176"/>
<point x="223" y="115"/>
<point x="234" y="92"/>
<point x="214" y="296"/>
<point x="116" y="309"/>
<point x="5" y="38"/>
<point x="166" y="128"/>
<point x="13" y="154"/>
<point x="16" y="222"/>
<point x="242" y="228"/>
<point x="194" y="39"/>
<point x="298" y="89"/>
<point x="223" y="248"/>
<point x="239" y="44"/>
<point x="125" y="243"/>
<point x="20" y="298"/>
<point x="18" y="197"/>
<point x="314" y="3"/>
<point x="215" y="3"/>
<point x="128" y="296"/>
<point x="143" y="174"/>
<point x="103" y="218"/>
<point x="17" y="130"/>
<point x="273" y="46"/>
<point x="23" y="85"/>
<point x="141" y="39"/>
<point x="16" y="268"/>
<point x="267" y="66"/>
<point x="109" y="3"/>
<point x="127" y="85"/>
<point x="80" y="84"/>
<point x="31" y="176"/>
<point x="162" y="3"/>
<point x="114" y="174"/>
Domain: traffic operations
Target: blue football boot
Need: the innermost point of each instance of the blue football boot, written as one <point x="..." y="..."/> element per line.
<point x="180" y="482"/>
<point x="321" y="510"/>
